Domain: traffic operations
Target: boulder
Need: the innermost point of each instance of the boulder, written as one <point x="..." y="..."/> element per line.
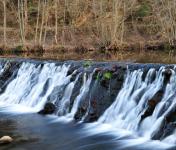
<point x="6" y="140"/>
<point x="49" y="108"/>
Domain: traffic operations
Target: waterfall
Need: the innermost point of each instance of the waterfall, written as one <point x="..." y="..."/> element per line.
<point x="33" y="84"/>
<point x="83" y="91"/>
<point x="143" y="104"/>
<point x="65" y="101"/>
<point x="132" y="102"/>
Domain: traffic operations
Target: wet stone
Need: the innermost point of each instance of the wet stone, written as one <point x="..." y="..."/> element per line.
<point x="49" y="108"/>
<point x="6" y="140"/>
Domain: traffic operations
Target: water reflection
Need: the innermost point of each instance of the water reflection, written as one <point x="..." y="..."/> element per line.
<point x="131" y="56"/>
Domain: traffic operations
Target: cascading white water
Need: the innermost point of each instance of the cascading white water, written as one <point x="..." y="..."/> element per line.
<point x="83" y="91"/>
<point x="132" y="100"/>
<point x="33" y="84"/>
<point x="157" y="117"/>
<point x="65" y="101"/>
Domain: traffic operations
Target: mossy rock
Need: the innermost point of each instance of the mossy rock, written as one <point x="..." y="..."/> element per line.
<point x="87" y="64"/>
<point x="107" y="75"/>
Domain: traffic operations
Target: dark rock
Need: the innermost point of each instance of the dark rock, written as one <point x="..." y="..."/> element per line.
<point x="168" y="126"/>
<point x="152" y="104"/>
<point x="157" y="135"/>
<point x="73" y="77"/>
<point x="8" y="74"/>
<point x="167" y="74"/>
<point x="144" y="74"/>
<point x="98" y="70"/>
<point x="105" y="83"/>
<point x="69" y="72"/>
<point x="171" y="117"/>
<point x="81" y="112"/>
<point x="102" y="94"/>
<point x="76" y="91"/>
<point x="49" y="108"/>
<point x="169" y="129"/>
<point x="114" y="68"/>
<point x="93" y="115"/>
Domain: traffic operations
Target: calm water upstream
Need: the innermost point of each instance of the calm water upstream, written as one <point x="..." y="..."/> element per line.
<point x="131" y="56"/>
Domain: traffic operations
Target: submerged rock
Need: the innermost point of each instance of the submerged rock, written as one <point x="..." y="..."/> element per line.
<point x="6" y="140"/>
<point x="48" y="109"/>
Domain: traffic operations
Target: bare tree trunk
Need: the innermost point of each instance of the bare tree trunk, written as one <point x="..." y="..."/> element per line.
<point x="5" y="23"/>
<point x="42" y="21"/>
<point x="56" y="20"/>
<point x="46" y="21"/>
<point x="64" y="26"/>
<point x="37" y="24"/>
<point x="23" y="23"/>
<point x="20" y="22"/>
<point x="25" y="17"/>
<point x="123" y="25"/>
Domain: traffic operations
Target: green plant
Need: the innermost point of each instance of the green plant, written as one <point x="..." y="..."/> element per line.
<point x="107" y="75"/>
<point x="87" y="64"/>
<point x="19" y="48"/>
<point x="98" y="77"/>
<point x="144" y="10"/>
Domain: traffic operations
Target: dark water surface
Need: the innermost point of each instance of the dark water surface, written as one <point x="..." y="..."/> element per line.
<point x="35" y="132"/>
<point x="157" y="56"/>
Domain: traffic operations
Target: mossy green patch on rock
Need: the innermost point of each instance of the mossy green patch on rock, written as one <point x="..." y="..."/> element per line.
<point x="87" y="64"/>
<point x="107" y="75"/>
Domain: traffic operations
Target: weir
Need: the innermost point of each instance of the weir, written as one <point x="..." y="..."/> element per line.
<point x="138" y="98"/>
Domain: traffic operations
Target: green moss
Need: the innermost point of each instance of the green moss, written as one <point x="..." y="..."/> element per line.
<point x="107" y="75"/>
<point x="98" y="77"/>
<point x="87" y="64"/>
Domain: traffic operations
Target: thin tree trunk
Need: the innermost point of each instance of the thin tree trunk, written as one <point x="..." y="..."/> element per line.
<point x="42" y="22"/>
<point x="23" y="23"/>
<point x="46" y="21"/>
<point x="56" y="21"/>
<point x="64" y="30"/>
<point x="20" y="22"/>
<point x="37" y="24"/>
<point x="25" y="16"/>
<point x="123" y="25"/>
<point x="5" y="23"/>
